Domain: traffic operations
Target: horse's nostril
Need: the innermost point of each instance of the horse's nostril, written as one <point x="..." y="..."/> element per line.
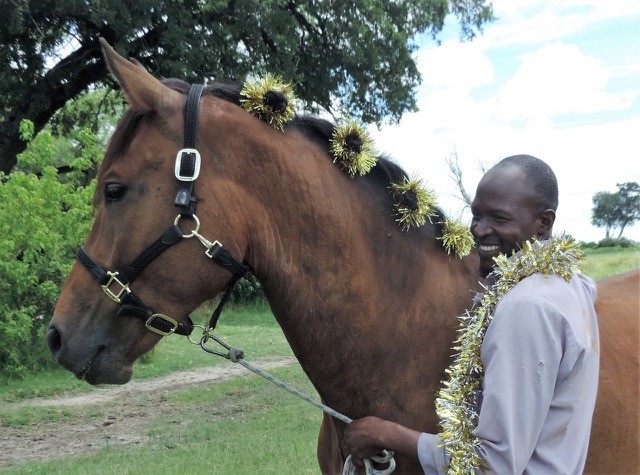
<point x="54" y="340"/>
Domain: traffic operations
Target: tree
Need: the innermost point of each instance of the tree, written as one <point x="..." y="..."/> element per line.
<point x="357" y="53"/>
<point x="616" y="210"/>
<point x="455" y="172"/>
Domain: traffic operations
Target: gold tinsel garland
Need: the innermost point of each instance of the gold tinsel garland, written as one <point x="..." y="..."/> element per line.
<point x="456" y="402"/>
<point x="253" y="98"/>
<point x="356" y="160"/>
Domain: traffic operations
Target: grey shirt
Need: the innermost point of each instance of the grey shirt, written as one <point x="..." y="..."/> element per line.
<point x="541" y="360"/>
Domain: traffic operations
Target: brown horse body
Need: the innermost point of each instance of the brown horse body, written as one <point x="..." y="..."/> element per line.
<point x="369" y="310"/>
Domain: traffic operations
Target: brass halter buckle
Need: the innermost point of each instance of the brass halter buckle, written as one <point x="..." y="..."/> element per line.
<point x="160" y="317"/>
<point x="115" y="296"/>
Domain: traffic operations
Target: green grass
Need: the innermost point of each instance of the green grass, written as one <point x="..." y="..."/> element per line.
<point x="605" y="262"/>
<point x="251" y="328"/>
<point x="241" y="426"/>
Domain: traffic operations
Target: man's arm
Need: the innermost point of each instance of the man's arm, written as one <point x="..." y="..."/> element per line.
<point x="521" y="355"/>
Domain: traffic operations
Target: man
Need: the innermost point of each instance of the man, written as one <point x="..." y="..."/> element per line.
<point x="539" y="353"/>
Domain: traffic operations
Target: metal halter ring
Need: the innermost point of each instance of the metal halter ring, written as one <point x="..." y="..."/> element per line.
<point x="194" y="231"/>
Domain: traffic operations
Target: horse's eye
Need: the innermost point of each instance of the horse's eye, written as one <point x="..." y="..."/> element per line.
<point x="114" y="192"/>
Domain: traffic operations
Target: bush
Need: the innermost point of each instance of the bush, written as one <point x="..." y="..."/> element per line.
<point x="44" y="217"/>
<point x="246" y="291"/>
<point x="611" y="242"/>
<point x="42" y="222"/>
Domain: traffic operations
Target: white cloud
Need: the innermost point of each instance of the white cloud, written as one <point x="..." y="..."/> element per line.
<point x="535" y="21"/>
<point x="551" y="80"/>
<point x="455" y="65"/>
<point x="557" y="79"/>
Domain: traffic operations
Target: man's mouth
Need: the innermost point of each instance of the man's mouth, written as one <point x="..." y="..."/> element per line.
<point x="488" y="248"/>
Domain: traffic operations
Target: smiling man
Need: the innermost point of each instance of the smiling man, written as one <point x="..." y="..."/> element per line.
<point x="515" y="201"/>
<point x="539" y="354"/>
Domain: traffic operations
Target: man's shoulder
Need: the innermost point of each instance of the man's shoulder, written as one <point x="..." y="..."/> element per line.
<point x="551" y="294"/>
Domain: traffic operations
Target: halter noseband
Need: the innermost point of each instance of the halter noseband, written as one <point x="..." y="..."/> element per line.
<point x="116" y="284"/>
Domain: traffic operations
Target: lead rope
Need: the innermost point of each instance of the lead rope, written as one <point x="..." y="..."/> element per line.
<point x="237" y="356"/>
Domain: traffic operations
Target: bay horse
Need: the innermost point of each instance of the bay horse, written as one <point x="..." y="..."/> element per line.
<point x="368" y="309"/>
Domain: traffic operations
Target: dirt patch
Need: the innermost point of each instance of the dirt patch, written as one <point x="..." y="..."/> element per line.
<point x="111" y="416"/>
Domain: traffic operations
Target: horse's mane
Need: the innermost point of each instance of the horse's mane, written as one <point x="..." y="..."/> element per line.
<point x="316" y="129"/>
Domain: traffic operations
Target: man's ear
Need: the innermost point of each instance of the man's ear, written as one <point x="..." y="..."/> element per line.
<point x="547" y="218"/>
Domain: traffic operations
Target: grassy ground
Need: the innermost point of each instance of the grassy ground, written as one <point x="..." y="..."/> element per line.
<point x="240" y="426"/>
<point x="604" y="262"/>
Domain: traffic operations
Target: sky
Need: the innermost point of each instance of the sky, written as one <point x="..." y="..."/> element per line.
<point x="557" y="79"/>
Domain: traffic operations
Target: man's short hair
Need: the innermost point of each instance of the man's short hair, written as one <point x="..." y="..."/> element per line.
<point x="538" y="175"/>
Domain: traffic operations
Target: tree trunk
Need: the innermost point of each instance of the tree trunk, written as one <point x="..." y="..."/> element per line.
<point x="71" y="76"/>
<point x="10" y="145"/>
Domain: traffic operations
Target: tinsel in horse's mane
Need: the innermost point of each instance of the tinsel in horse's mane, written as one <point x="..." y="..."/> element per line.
<point x="318" y="130"/>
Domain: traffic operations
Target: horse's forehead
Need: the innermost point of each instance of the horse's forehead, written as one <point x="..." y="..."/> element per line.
<point x="146" y="145"/>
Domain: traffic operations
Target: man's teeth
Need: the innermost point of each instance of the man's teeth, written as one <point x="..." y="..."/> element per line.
<point x="485" y="248"/>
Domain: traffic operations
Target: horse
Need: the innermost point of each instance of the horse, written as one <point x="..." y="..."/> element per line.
<point x="369" y="309"/>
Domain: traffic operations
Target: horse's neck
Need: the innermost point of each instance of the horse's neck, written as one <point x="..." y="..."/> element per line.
<point x="363" y="305"/>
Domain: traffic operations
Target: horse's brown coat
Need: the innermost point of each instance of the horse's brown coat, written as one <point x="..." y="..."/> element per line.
<point x="369" y="310"/>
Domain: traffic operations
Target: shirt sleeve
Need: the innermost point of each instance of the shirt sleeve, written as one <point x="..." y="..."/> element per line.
<point x="521" y="355"/>
<point x="433" y="458"/>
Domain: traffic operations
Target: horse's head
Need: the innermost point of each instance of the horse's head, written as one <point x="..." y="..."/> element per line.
<point x="136" y="276"/>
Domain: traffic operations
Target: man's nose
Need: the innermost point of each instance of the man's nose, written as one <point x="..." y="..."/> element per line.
<point x="480" y="229"/>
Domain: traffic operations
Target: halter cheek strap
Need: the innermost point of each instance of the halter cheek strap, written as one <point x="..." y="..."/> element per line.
<point x="116" y="284"/>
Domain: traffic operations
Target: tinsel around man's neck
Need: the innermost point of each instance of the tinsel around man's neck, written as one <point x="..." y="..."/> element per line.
<point x="456" y="403"/>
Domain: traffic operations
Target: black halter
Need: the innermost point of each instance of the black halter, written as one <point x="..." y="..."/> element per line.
<point x="116" y="284"/>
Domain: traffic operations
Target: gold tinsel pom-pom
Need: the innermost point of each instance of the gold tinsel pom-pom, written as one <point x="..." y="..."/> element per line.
<point x="410" y="212"/>
<point x="352" y="148"/>
<point x="269" y="99"/>
<point x="456" y="238"/>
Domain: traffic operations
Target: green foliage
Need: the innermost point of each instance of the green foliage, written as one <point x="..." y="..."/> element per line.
<point x="611" y="242"/>
<point x="42" y="221"/>
<point x="356" y="53"/>
<point x="45" y="215"/>
<point x="247" y="291"/>
<point x="616" y="210"/>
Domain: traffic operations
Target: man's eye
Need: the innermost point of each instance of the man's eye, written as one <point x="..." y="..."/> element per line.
<point x="114" y="192"/>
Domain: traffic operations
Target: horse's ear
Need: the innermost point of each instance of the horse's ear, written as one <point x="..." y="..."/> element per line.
<point x="143" y="92"/>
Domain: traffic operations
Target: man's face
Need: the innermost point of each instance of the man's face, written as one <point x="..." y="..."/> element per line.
<point x="505" y="215"/>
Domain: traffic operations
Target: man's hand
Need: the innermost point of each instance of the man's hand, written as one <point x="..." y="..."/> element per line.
<point x="369" y="436"/>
